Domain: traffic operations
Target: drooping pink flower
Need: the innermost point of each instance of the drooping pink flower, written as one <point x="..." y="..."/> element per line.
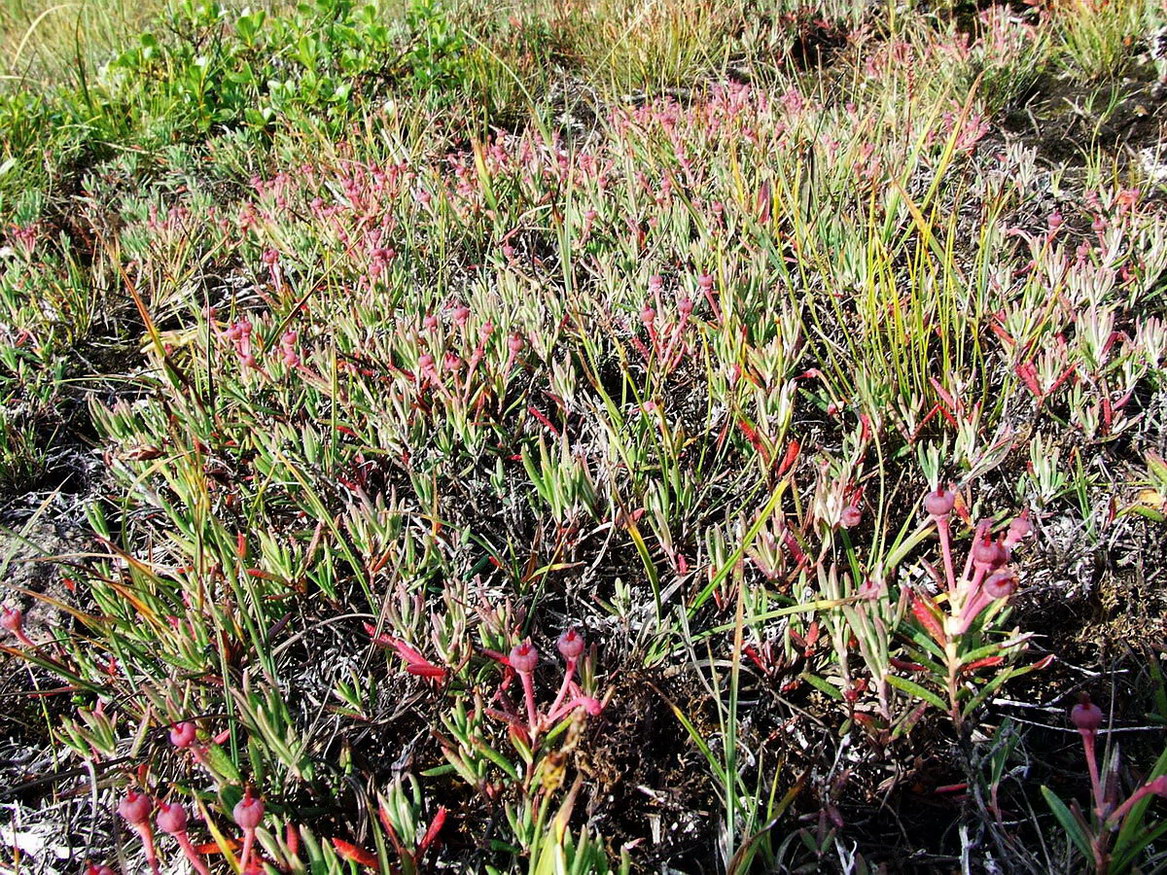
<point x="1086" y="716"/>
<point x="183" y="734"/>
<point x="523" y="658"/>
<point x="570" y="644"/>
<point x="940" y="502"/>
<point x="135" y="807"/>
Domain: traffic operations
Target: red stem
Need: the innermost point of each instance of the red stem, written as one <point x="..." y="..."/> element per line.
<point x="245" y="854"/>
<point x="567" y="675"/>
<point x="529" y="691"/>
<point x="946" y="549"/>
<point x="191" y="854"/>
<point x="1116" y="816"/>
<point x="147" y="835"/>
<point x="1092" y="764"/>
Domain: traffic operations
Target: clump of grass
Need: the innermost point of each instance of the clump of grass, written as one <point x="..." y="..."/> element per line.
<point x="1098" y="40"/>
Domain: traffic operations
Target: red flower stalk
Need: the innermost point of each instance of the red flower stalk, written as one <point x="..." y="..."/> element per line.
<point x="12" y="619"/>
<point x="1157" y="786"/>
<point x="1087" y="718"/>
<point x="570" y="645"/>
<point x="248" y="813"/>
<point x="984" y="581"/>
<point x="172" y="820"/>
<point x="939" y="506"/>
<point x="135" y="810"/>
<point x="523" y="659"/>
<point x="999" y="585"/>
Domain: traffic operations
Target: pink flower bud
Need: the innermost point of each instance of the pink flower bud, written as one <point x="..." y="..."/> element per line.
<point x="570" y="644"/>
<point x="1000" y="584"/>
<point x="135" y="807"/>
<point x="461" y="313"/>
<point x="515" y="343"/>
<point x="685" y="307"/>
<point x="183" y="734"/>
<point x="171" y="818"/>
<point x="705" y="282"/>
<point x="248" y="811"/>
<point x="987" y="553"/>
<point x="430" y="322"/>
<point x="12" y="619"/>
<point x="940" y="502"/>
<point x="851" y="516"/>
<point x="1086" y="716"/>
<point x="648" y="315"/>
<point x="1018" y="529"/>
<point x="524" y="657"/>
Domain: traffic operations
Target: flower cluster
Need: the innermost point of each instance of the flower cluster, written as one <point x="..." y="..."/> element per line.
<point x="523" y="659"/>
<point x="987" y="577"/>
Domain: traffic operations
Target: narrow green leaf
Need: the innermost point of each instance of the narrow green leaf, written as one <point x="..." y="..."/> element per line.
<point x="1069" y="823"/>
<point x="914" y="689"/>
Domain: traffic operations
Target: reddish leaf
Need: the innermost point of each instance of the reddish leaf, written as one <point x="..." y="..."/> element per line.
<point x="952" y="788"/>
<point x="752" y="652"/>
<point x="1027" y="372"/>
<point x="905" y="665"/>
<point x="543" y="420"/>
<point x="982" y="663"/>
<point x="426" y="671"/>
<point x="215" y="848"/>
<point x="925" y="612"/>
<point x="792" y="451"/>
<point x="435" y="827"/>
<point x="998" y="329"/>
<point x="755" y="441"/>
<point x="387" y="822"/>
<point x="354" y="854"/>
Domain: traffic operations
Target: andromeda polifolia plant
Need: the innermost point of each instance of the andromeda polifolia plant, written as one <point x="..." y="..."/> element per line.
<point x="1113" y="834"/>
<point x="961" y="627"/>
